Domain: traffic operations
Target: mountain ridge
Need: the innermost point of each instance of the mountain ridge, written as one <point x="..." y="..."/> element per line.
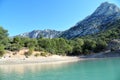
<point x="90" y="25"/>
<point x="104" y="14"/>
<point x="47" y="33"/>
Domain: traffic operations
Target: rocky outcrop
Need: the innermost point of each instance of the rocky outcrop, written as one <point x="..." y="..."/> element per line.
<point x="106" y="13"/>
<point x="114" y="44"/>
<point x="44" y="33"/>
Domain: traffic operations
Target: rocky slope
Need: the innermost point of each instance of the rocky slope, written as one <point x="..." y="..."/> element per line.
<point x="44" y="33"/>
<point x="106" y="13"/>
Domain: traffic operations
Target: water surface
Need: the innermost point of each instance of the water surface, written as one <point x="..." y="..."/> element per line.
<point x="99" y="69"/>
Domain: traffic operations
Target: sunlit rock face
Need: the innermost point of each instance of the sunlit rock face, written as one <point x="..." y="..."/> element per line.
<point x="44" y="33"/>
<point x="106" y="13"/>
<point x="114" y="44"/>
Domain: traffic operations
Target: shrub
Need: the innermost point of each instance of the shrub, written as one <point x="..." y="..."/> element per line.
<point x="27" y="54"/>
<point x="44" y="54"/>
<point x="2" y="51"/>
<point x="37" y="54"/>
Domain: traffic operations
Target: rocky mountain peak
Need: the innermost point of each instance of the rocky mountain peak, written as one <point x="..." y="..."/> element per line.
<point x="106" y="13"/>
<point x="47" y="33"/>
<point x="106" y="8"/>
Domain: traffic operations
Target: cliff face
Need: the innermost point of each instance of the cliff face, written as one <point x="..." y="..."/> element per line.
<point x="114" y="44"/>
<point x="44" y="33"/>
<point x="106" y="13"/>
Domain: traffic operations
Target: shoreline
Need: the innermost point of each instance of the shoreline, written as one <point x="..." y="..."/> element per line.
<point x="56" y="59"/>
<point x="41" y="60"/>
<point x="46" y="62"/>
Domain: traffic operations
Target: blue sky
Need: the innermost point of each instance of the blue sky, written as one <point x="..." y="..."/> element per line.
<point x="19" y="16"/>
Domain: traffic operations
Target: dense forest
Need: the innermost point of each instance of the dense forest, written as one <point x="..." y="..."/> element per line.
<point x="78" y="46"/>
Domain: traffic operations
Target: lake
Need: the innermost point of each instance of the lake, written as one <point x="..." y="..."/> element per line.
<point x="98" y="69"/>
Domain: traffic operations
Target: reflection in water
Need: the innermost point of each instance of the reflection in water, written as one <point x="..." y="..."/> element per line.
<point x="21" y="68"/>
<point x="103" y="69"/>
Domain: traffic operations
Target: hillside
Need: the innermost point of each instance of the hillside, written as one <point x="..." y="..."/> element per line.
<point x="105" y="14"/>
<point x="98" y="30"/>
<point x="100" y="20"/>
<point x="112" y="32"/>
<point x="41" y="33"/>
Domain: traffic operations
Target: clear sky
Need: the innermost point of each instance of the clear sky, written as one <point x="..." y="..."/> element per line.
<point x="19" y="16"/>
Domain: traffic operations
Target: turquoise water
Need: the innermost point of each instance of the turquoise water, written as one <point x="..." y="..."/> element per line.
<point x="100" y="69"/>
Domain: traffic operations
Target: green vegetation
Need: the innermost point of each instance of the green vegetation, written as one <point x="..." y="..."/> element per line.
<point x="58" y="46"/>
<point x="2" y="51"/>
<point x="43" y="54"/>
<point x="37" y="54"/>
<point x="79" y="46"/>
<point x="3" y="40"/>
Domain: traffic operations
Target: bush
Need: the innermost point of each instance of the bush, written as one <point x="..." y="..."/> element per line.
<point x="14" y="47"/>
<point x="86" y="52"/>
<point x="37" y="54"/>
<point x="44" y="54"/>
<point x="2" y="51"/>
<point x="100" y="46"/>
<point x="28" y="53"/>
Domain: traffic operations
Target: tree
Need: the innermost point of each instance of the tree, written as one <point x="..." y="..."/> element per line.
<point x="16" y="40"/>
<point x="3" y="36"/>
<point x="16" y="44"/>
<point x="44" y="43"/>
<point x="78" y="46"/>
<point x="89" y="45"/>
<point x="79" y="41"/>
<point x="100" y="45"/>
<point x="3" y="40"/>
<point x="32" y="43"/>
<point x="14" y="47"/>
<point x="77" y="50"/>
<point x="2" y="51"/>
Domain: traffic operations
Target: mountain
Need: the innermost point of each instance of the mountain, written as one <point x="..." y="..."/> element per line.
<point x="44" y="33"/>
<point x="106" y="13"/>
